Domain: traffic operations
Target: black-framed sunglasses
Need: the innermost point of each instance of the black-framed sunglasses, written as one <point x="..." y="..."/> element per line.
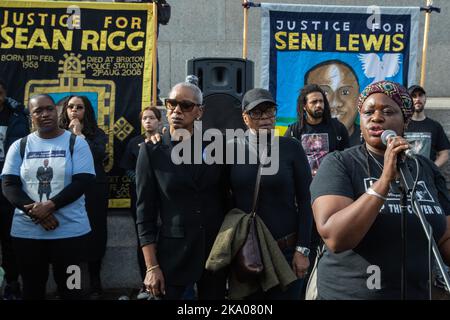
<point x="185" y="105"/>
<point x="258" y="113"/>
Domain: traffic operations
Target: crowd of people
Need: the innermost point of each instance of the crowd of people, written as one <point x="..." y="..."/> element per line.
<point x="325" y="194"/>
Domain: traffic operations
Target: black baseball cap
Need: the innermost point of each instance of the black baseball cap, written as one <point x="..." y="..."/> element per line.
<point x="256" y="96"/>
<point x="414" y="88"/>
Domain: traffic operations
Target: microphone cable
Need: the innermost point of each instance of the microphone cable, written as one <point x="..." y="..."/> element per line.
<point x="430" y="230"/>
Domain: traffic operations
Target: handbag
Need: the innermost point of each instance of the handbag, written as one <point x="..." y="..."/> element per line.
<point x="311" y="287"/>
<point x="164" y="11"/>
<point x="247" y="264"/>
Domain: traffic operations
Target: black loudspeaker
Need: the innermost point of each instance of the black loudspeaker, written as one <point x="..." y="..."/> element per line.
<point x="223" y="81"/>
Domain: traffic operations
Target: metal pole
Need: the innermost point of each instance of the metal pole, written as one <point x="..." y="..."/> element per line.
<point x="154" y="54"/>
<point x="425" y="44"/>
<point x="403" y="204"/>
<point x="437" y="255"/>
<point x="244" y="35"/>
<point x="407" y="183"/>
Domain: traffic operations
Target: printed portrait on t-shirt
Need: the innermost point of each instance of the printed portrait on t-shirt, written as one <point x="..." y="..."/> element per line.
<point x="422" y="192"/>
<point x="420" y="143"/>
<point x="2" y="142"/>
<point x="316" y="147"/>
<point x="44" y="174"/>
<point x="423" y="195"/>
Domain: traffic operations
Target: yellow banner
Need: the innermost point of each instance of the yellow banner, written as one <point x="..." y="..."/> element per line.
<point x="103" y="51"/>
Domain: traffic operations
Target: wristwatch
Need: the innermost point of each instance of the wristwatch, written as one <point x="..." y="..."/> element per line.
<point x="303" y="250"/>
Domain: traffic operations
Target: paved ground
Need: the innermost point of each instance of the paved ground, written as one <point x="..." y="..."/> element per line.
<point x="130" y="294"/>
<point x="109" y="294"/>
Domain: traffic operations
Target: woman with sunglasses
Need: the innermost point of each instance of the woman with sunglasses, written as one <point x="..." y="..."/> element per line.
<point x="284" y="198"/>
<point x="175" y="185"/>
<point x="150" y="118"/>
<point x="78" y="116"/>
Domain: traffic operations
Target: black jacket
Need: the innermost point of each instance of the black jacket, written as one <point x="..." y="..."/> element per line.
<point x="191" y="201"/>
<point x="18" y="124"/>
<point x="97" y="144"/>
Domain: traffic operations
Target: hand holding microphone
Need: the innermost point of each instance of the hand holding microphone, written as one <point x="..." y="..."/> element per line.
<point x="395" y="146"/>
<point x="391" y="134"/>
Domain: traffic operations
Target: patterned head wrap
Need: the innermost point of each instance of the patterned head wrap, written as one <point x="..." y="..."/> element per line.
<point x="393" y="90"/>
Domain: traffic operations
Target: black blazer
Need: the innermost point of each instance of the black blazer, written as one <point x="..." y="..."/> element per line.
<point x="191" y="201"/>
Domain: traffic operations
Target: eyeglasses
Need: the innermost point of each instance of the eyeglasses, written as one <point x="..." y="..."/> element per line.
<point x="185" y="105"/>
<point x="257" y="114"/>
<point x="75" y="106"/>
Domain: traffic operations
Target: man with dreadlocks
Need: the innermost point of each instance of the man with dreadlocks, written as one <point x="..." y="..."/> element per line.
<point x="319" y="134"/>
<point x="317" y="131"/>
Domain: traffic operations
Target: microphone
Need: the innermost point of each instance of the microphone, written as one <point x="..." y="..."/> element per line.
<point x="391" y="134"/>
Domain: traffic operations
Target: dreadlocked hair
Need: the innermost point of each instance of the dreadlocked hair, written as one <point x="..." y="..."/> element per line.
<point x="301" y="104"/>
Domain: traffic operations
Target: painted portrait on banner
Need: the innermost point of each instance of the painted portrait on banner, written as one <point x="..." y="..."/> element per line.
<point x="341" y="48"/>
<point x="340" y="84"/>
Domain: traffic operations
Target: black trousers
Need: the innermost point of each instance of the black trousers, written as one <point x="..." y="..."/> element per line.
<point x="9" y="263"/>
<point x="96" y="197"/>
<point x="140" y="255"/>
<point x="97" y="210"/>
<point x="35" y="256"/>
<point x="316" y="241"/>
<point x="211" y="286"/>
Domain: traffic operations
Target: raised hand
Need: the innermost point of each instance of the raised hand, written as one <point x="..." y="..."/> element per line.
<point x="75" y="126"/>
<point x="395" y="146"/>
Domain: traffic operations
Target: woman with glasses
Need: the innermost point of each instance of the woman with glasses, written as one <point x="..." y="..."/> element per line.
<point x="176" y="186"/>
<point x="78" y="117"/>
<point x="284" y="198"/>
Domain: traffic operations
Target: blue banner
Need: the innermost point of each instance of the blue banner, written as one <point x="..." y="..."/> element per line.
<point x="341" y="48"/>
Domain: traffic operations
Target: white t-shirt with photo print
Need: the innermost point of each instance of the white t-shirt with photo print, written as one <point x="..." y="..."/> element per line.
<point x="47" y="168"/>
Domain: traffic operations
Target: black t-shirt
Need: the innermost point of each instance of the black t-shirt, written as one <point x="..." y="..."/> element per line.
<point x="346" y="275"/>
<point x="320" y="139"/>
<point x="128" y="163"/>
<point x="284" y="199"/>
<point x="130" y="156"/>
<point x="427" y="137"/>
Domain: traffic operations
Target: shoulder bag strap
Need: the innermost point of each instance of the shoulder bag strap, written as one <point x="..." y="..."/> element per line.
<point x="255" y="195"/>
<point x="72" y="139"/>
<point x="23" y="144"/>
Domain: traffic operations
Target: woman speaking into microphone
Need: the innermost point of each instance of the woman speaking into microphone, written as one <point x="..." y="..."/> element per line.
<point x="356" y="204"/>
